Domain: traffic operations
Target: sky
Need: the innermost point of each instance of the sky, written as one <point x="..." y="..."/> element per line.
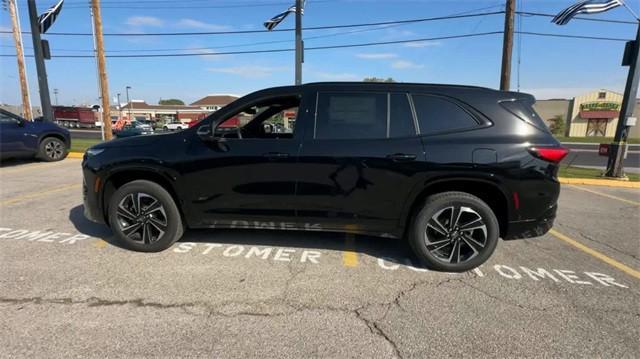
<point x="548" y="67"/>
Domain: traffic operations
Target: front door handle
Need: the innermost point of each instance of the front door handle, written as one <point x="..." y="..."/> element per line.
<point x="402" y="157"/>
<point x="276" y="155"/>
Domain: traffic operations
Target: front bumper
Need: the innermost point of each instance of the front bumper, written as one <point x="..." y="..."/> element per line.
<point x="532" y="228"/>
<point x="92" y="209"/>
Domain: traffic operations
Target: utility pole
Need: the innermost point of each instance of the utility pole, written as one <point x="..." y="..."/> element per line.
<point x="17" y="38"/>
<point x="299" y="43"/>
<point x="507" y="45"/>
<point x="43" y="84"/>
<point x="102" y="69"/>
<point x="619" y="146"/>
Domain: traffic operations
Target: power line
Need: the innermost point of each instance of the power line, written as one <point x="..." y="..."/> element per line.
<point x="328" y="27"/>
<point x="285" y="50"/>
<point x="328" y="47"/>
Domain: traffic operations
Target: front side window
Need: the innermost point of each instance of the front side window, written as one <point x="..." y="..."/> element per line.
<point x="351" y="116"/>
<point x="273" y="118"/>
<point x="436" y="114"/>
<point x="5" y="118"/>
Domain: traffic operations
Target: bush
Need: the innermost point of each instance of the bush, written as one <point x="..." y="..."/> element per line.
<point x="557" y="126"/>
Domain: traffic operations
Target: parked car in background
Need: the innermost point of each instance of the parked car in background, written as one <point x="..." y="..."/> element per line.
<point x="451" y="168"/>
<point x="134" y="128"/>
<point x="20" y="138"/>
<point x="175" y="126"/>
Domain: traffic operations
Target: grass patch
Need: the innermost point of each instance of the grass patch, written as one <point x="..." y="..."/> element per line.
<point x="594" y="139"/>
<point x="81" y="144"/>
<point x="579" y="172"/>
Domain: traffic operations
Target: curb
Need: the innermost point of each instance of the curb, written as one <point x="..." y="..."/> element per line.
<point x="599" y="182"/>
<point x="578" y="181"/>
<point x="75" y="155"/>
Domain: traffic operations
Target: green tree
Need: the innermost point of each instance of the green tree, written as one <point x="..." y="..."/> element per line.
<point x="171" y="101"/>
<point x="378" y="79"/>
<point x="557" y="125"/>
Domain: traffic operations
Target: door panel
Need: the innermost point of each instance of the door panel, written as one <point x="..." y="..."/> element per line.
<point x="240" y="180"/>
<point x="356" y="182"/>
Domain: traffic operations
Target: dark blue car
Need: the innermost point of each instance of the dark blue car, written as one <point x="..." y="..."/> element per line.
<point x="20" y="138"/>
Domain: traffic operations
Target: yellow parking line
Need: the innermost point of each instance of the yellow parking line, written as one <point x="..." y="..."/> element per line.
<point x="29" y="167"/>
<point x="32" y="195"/>
<point x="610" y="261"/>
<point x="607" y="195"/>
<point x="100" y="244"/>
<point x="350" y="257"/>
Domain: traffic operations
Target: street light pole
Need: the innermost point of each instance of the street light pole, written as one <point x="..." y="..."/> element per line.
<point x="299" y="43"/>
<point x="619" y="145"/>
<point x="128" y="102"/>
<point x="55" y="93"/>
<point x="119" y="106"/>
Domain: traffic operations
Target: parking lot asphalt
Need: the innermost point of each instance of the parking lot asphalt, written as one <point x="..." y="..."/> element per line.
<point x="66" y="290"/>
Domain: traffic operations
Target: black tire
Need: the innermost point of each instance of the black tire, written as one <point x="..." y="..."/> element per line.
<point x="52" y="149"/>
<point x="440" y="253"/>
<point x="152" y="221"/>
<point x="165" y="128"/>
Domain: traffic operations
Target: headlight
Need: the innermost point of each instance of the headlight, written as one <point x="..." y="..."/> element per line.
<point x="94" y="151"/>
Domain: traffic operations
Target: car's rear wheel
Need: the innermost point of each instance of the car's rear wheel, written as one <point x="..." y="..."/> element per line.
<point x="144" y="217"/>
<point x="52" y="149"/>
<point x="454" y="232"/>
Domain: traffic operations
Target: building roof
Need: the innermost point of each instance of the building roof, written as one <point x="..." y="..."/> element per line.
<point x="141" y="105"/>
<point x="215" y="100"/>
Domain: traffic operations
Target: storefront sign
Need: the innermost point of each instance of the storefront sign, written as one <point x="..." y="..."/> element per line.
<point x="600" y="106"/>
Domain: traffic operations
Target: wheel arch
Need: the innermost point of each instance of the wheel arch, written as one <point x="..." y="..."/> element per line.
<point x="59" y="136"/>
<point x="117" y="179"/>
<point x="488" y="191"/>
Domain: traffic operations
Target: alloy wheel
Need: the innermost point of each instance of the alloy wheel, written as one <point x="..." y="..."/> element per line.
<point x="54" y="150"/>
<point x="142" y="218"/>
<point x="455" y="234"/>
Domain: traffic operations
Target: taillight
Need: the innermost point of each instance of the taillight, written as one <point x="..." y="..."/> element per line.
<point x="551" y="154"/>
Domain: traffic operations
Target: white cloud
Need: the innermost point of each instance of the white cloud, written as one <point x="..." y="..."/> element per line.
<point x="196" y="24"/>
<point x="406" y="65"/>
<point x="248" y="70"/>
<point x="144" y="21"/>
<point x="335" y="76"/>
<point x="377" y="56"/>
<point x="422" y="44"/>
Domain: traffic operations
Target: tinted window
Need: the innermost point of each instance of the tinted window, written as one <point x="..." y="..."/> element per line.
<point x="524" y="110"/>
<point x="401" y="123"/>
<point x="436" y="114"/>
<point x="351" y="116"/>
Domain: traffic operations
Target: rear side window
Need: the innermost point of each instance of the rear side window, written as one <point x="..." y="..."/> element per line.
<point x="351" y="116"/>
<point x="524" y="110"/>
<point x="436" y="114"/>
<point x="401" y="121"/>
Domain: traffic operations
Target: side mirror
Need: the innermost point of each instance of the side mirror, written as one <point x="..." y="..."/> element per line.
<point x="206" y="134"/>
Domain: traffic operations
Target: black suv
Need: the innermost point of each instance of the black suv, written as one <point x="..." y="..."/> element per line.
<point x="451" y="168"/>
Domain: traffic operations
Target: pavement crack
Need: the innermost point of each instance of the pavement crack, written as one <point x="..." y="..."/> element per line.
<point x="375" y="329"/>
<point x="593" y="239"/>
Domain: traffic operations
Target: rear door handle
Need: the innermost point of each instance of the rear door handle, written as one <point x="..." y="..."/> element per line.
<point x="276" y="155"/>
<point x="402" y="157"/>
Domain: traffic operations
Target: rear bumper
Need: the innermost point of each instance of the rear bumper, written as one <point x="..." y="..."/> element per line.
<point x="532" y="228"/>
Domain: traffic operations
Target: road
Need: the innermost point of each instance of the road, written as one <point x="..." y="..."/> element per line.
<point x="68" y="290"/>
<point x="586" y="155"/>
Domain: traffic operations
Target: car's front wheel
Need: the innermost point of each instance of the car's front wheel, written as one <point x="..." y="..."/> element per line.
<point x="144" y="217"/>
<point x="454" y="232"/>
<point x="52" y="149"/>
